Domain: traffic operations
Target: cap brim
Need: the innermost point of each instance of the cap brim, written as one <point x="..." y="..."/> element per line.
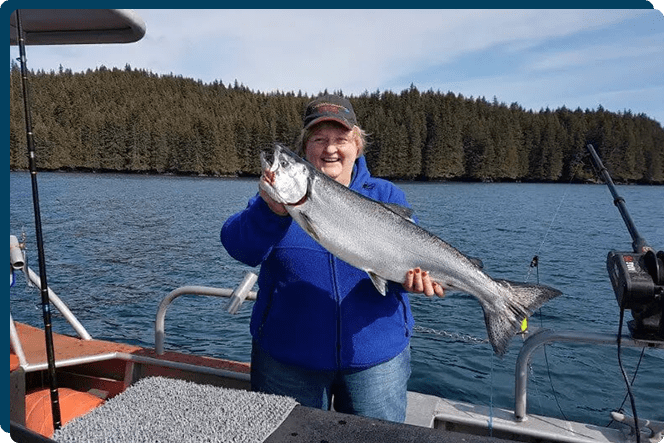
<point x="328" y="118"/>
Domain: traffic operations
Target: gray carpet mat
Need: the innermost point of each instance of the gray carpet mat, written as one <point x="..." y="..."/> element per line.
<point x="158" y="409"/>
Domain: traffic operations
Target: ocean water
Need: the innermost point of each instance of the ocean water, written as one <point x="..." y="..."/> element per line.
<point x="117" y="244"/>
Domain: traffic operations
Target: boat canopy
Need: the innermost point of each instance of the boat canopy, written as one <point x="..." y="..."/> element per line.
<point x="77" y="26"/>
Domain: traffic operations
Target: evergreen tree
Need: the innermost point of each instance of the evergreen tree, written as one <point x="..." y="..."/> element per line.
<point x="89" y="121"/>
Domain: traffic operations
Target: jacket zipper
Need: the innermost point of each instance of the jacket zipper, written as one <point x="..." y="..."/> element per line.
<point x="335" y="289"/>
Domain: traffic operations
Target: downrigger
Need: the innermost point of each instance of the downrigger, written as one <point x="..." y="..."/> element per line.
<point x="637" y="277"/>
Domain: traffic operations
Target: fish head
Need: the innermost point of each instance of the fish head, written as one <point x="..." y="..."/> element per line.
<point x="286" y="175"/>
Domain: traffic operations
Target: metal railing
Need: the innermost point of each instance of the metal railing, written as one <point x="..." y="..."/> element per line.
<point x="237" y="296"/>
<point x="17" y="263"/>
<point x="545" y="336"/>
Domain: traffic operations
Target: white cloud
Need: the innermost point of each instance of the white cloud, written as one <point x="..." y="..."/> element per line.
<point x="634" y="50"/>
<point x="317" y="49"/>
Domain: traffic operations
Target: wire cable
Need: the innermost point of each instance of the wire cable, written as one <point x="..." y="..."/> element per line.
<point x="627" y="382"/>
<point x="636" y="371"/>
<point x="643" y="351"/>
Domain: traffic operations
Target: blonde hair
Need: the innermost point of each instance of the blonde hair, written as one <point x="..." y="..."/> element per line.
<point x="306" y="133"/>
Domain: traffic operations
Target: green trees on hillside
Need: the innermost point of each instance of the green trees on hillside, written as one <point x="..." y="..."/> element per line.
<point x="135" y="121"/>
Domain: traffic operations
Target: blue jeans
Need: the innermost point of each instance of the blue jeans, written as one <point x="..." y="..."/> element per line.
<point x="377" y="392"/>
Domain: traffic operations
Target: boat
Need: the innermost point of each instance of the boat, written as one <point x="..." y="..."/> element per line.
<point x="107" y="391"/>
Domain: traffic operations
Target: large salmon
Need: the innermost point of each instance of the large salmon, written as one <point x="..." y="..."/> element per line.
<point x="383" y="241"/>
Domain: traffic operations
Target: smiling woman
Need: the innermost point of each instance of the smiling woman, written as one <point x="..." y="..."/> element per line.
<point x="331" y="139"/>
<point x="320" y="328"/>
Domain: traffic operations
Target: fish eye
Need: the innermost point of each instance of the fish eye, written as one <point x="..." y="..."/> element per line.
<point x="284" y="163"/>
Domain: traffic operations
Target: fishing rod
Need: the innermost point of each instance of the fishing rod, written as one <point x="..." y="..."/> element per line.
<point x="46" y="309"/>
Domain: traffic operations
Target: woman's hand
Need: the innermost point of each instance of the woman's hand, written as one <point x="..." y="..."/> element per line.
<point x="419" y="282"/>
<point x="276" y="207"/>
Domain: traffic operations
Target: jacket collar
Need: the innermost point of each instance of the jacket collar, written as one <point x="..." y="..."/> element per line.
<point x="360" y="173"/>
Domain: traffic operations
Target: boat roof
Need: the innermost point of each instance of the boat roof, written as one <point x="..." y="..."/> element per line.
<point x="77" y="26"/>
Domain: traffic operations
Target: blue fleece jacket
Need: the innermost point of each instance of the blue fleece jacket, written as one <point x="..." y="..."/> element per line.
<point x="314" y="310"/>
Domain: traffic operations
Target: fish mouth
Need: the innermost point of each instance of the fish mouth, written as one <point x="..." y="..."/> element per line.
<point x="270" y="159"/>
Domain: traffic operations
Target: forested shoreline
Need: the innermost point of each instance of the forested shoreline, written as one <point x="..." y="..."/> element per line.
<point x="134" y="121"/>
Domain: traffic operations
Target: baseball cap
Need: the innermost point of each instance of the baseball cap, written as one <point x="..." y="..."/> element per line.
<point x="330" y="108"/>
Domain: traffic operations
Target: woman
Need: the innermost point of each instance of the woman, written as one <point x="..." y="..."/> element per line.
<point x="320" y="329"/>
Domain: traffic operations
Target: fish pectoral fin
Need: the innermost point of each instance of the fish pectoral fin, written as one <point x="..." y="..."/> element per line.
<point x="308" y="226"/>
<point x="403" y="211"/>
<point x="379" y="282"/>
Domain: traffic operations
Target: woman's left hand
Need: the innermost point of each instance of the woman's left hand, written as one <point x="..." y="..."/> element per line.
<point x="419" y="282"/>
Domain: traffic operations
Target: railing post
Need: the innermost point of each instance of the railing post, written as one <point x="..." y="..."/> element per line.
<point x="241" y="292"/>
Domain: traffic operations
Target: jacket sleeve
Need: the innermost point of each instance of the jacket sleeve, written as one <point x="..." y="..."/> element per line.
<point x="250" y="235"/>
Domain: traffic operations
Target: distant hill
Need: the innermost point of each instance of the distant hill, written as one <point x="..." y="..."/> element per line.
<point x="129" y="120"/>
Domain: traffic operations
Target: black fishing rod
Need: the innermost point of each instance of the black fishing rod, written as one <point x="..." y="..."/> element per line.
<point x="46" y="309"/>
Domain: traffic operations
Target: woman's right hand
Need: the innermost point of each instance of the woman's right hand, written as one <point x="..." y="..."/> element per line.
<point x="276" y="207"/>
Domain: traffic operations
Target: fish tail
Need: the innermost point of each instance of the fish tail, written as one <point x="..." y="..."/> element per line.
<point x="515" y="302"/>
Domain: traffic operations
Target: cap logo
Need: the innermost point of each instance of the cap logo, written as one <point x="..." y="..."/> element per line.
<point x="329" y="108"/>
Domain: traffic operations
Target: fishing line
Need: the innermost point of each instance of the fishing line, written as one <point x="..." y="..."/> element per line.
<point x="491" y="400"/>
<point x="548" y="370"/>
<point x="534" y="263"/>
<point x="539" y="249"/>
<point x="577" y="160"/>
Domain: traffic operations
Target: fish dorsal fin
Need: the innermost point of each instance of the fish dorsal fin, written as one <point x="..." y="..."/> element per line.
<point x="379" y="282"/>
<point x="403" y="211"/>
<point x="477" y="262"/>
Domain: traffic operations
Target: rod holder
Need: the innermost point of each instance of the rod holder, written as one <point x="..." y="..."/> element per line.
<point x="240" y="293"/>
<point x="15" y="253"/>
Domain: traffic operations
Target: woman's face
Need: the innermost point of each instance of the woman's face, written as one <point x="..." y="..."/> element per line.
<point x="333" y="149"/>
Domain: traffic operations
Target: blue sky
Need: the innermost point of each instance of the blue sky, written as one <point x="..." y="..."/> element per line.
<point x="536" y="58"/>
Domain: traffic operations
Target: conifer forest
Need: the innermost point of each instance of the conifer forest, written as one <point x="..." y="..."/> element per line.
<point x="134" y="121"/>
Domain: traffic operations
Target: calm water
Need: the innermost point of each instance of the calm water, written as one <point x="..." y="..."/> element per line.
<point x="117" y="244"/>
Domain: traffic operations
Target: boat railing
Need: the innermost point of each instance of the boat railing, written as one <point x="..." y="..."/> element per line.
<point x="17" y="262"/>
<point x="237" y="296"/>
<point x="61" y="306"/>
<point x="546" y="336"/>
